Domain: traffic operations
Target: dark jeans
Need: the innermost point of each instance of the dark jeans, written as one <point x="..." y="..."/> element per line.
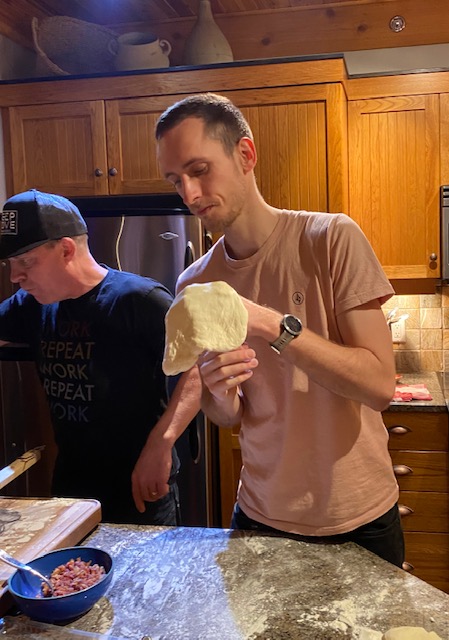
<point x="163" y="512"/>
<point x="117" y="506"/>
<point x="111" y="485"/>
<point x="382" y="536"/>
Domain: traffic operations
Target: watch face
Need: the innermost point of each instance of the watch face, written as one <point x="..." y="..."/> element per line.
<point x="292" y="324"/>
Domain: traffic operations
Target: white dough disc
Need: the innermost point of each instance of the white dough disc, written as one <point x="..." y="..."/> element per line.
<point x="202" y="317"/>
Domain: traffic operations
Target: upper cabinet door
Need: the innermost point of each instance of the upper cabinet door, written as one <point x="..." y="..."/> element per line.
<point x="59" y="148"/>
<point x="394" y="179"/>
<point x="300" y="135"/>
<point x="132" y="158"/>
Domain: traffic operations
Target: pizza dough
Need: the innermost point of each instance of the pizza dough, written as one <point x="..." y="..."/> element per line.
<point x="410" y="633"/>
<point x="202" y="317"/>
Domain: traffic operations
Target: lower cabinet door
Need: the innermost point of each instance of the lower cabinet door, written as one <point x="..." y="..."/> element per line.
<point x="427" y="557"/>
<point x="424" y="511"/>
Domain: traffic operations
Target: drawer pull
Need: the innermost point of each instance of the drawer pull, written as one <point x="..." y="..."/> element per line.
<point x="404" y="510"/>
<point x="398" y="430"/>
<point x="402" y="470"/>
<point x="407" y="566"/>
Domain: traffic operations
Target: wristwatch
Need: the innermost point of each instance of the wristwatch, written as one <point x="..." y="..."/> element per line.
<point x="291" y="327"/>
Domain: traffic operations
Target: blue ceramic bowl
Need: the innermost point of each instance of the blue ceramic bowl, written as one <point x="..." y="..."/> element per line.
<point x="26" y="588"/>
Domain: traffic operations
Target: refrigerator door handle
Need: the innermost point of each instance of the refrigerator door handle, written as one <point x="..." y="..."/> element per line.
<point x="208" y="241"/>
<point x="194" y="428"/>
<point x="195" y="440"/>
<point x="189" y="255"/>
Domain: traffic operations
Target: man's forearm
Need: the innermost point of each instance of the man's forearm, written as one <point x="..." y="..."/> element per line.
<point x="151" y="473"/>
<point x="184" y="404"/>
<point x="227" y="413"/>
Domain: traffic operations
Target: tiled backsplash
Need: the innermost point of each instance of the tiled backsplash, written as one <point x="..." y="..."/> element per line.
<point x="427" y="331"/>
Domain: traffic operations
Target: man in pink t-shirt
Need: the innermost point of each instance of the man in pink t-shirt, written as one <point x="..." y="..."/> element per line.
<point x="317" y="368"/>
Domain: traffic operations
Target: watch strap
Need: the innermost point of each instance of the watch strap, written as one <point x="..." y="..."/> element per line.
<point x="280" y="343"/>
<point x="291" y="327"/>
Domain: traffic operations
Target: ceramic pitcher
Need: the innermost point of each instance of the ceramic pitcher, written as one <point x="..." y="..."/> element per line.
<point x="139" y="50"/>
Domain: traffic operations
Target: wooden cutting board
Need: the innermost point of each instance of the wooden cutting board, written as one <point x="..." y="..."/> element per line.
<point x="34" y="526"/>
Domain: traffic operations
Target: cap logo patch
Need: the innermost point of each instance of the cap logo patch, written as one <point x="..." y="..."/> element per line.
<point x="9" y="222"/>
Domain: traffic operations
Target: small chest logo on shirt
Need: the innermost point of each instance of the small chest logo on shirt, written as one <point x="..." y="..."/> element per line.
<point x="9" y="223"/>
<point x="298" y="297"/>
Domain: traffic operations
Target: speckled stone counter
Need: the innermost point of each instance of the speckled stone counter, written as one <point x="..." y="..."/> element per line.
<point x="216" y="584"/>
<point x="433" y="382"/>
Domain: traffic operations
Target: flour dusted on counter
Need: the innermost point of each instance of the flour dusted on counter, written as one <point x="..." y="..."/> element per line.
<point x="410" y="633"/>
<point x="202" y="317"/>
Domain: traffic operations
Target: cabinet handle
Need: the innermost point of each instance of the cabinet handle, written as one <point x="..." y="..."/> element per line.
<point x="98" y="173"/>
<point x="402" y="470"/>
<point x="399" y="430"/>
<point x="407" y="566"/>
<point x="433" y="257"/>
<point x="404" y="510"/>
<point x="113" y="171"/>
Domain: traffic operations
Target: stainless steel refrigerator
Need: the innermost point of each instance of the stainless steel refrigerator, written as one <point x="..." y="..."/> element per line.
<point x="154" y="236"/>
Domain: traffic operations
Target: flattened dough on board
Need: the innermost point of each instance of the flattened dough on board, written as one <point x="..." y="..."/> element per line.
<point x="410" y="633"/>
<point x="202" y="317"/>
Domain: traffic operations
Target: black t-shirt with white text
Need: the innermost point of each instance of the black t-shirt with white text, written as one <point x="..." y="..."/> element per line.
<point x="99" y="359"/>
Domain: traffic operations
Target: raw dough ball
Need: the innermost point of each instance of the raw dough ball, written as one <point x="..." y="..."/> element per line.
<point x="410" y="633"/>
<point x="202" y="317"/>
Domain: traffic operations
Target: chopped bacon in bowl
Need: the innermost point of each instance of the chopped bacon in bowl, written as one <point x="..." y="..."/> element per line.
<point x="83" y="573"/>
<point x="74" y="575"/>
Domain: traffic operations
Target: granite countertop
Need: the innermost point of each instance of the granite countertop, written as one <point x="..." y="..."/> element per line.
<point x="434" y="382"/>
<point x="216" y="584"/>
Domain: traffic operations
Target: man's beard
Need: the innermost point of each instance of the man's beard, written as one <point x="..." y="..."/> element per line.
<point x="220" y="225"/>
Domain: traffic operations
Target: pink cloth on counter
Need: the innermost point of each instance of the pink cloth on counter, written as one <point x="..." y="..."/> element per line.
<point x="408" y="392"/>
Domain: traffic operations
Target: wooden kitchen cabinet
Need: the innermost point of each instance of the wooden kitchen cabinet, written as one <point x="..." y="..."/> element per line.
<point x="299" y="133"/>
<point x="419" y="447"/>
<point x="394" y="180"/>
<point x="86" y="148"/>
<point x="131" y="147"/>
<point x="230" y="463"/>
<point x="97" y="147"/>
<point x="375" y="148"/>
<point x="58" y="148"/>
<point x="300" y="136"/>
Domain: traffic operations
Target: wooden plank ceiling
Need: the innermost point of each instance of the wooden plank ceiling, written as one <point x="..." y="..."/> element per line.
<point x="254" y="28"/>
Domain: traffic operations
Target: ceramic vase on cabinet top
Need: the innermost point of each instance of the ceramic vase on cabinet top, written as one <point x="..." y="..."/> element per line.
<point x="206" y="43"/>
<point x="139" y="50"/>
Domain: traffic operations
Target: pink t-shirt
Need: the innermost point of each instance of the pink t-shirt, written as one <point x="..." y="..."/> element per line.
<point x="314" y="463"/>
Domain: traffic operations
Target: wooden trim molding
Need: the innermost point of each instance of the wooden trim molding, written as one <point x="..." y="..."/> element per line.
<point x="173" y="82"/>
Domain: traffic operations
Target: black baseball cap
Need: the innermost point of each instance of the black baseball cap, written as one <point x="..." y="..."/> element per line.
<point x="32" y="218"/>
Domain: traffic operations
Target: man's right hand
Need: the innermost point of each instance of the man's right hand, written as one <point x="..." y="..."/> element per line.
<point x="222" y="374"/>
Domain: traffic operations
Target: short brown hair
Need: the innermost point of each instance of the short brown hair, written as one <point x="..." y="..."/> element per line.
<point x="222" y="119"/>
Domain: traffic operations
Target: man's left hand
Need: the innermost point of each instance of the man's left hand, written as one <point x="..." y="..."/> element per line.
<point x="151" y="473"/>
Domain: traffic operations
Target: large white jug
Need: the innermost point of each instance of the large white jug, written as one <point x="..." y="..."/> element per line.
<point x="139" y="50"/>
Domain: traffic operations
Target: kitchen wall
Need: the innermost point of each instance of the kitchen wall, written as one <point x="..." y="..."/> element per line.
<point x="15" y="61"/>
<point x="427" y="331"/>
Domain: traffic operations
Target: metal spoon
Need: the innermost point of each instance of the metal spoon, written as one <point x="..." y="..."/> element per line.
<point x="24" y="567"/>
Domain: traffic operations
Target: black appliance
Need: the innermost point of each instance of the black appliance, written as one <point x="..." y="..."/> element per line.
<point x="444" y="200"/>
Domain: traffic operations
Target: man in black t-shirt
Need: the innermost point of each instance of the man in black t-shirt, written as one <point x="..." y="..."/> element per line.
<point x="97" y="336"/>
